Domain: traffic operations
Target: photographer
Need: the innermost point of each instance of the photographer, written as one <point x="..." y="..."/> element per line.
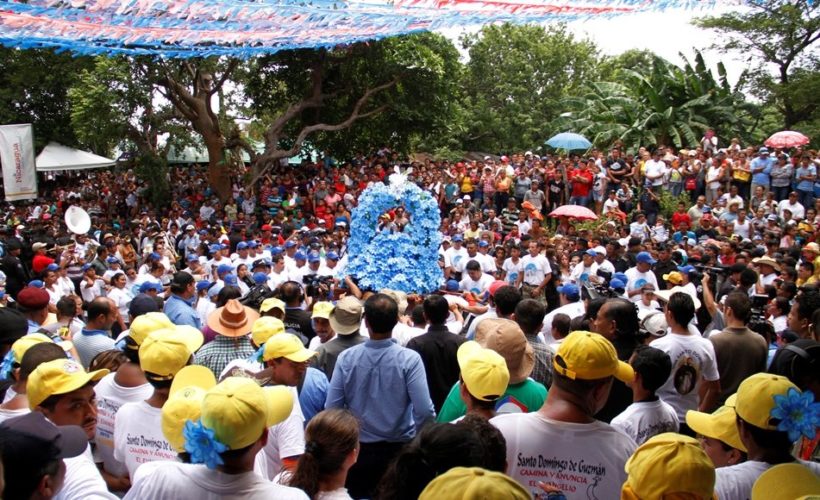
<point x="740" y="351"/>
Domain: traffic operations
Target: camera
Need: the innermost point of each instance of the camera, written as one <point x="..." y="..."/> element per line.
<point x="317" y="286"/>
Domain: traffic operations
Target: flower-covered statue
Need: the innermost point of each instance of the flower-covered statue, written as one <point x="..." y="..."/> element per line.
<point x="381" y="257"/>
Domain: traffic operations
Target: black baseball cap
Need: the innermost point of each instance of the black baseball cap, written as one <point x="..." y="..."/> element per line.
<point x="142" y="304"/>
<point x="69" y="440"/>
<point x="14" y="325"/>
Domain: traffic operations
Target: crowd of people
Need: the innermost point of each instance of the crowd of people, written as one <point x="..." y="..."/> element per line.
<point x="216" y="348"/>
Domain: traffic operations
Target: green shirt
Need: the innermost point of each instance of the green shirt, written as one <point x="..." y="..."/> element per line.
<point x="523" y="397"/>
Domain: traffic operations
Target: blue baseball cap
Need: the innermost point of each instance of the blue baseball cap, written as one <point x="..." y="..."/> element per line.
<point x="313" y="257"/>
<point x="290" y="244"/>
<point x="154" y="256"/>
<point x="192" y="257"/>
<point x="300" y="256"/>
<point x="452" y="286"/>
<point x="203" y="285"/>
<point x="260" y="278"/>
<point x="706" y="209"/>
<point x="242" y="245"/>
<point x="203" y="231"/>
<point x="591" y="253"/>
<point x="253" y="244"/>
<point x="686" y="269"/>
<point x="645" y="257"/>
<point x="570" y="290"/>
<point x="276" y="251"/>
<point x="224" y="268"/>
<point x="52" y="267"/>
<point x="622" y="277"/>
<point x="150" y="285"/>
<point x="36" y="284"/>
<point x="483" y="244"/>
<point x="260" y="262"/>
<point x="458" y="237"/>
<point x="85" y="267"/>
<point x="332" y="256"/>
<point x="617" y="284"/>
<point x="112" y="260"/>
<point x="230" y="280"/>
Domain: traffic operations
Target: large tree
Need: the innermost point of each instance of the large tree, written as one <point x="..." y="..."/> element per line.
<point x="515" y="81"/>
<point x="779" y="35"/>
<point x="33" y="89"/>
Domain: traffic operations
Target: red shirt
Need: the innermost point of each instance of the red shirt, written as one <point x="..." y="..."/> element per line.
<point x="679" y="217"/>
<point x="581" y="189"/>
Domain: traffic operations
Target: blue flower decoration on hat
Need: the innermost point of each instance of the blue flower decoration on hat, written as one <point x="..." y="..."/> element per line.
<point x="406" y="261"/>
<point x="798" y="414"/>
<point x="202" y="444"/>
<point x="6" y="365"/>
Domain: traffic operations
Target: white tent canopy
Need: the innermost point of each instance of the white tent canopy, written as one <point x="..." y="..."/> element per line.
<point x="58" y="157"/>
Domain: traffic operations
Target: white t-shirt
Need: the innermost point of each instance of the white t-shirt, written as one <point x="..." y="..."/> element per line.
<point x="610" y="205"/>
<point x="581" y="273"/>
<point x="655" y="168"/>
<point x="573" y="310"/>
<point x="110" y="397"/>
<point x="583" y="460"/>
<point x="83" y="480"/>
<point x="511" y="270"/>
<point x="693" y="359"/>
<point x="196" y="481"/>
<point x="122" y="299"/>
<point x="535" y="269"/>
<point x="487" y="263"/>
<point x="735" y="481"/>
<point x="7" y="414"/>
<point x="477" y="287"/>
<point x="455" y="256"/>
<point x="285" y="439"/>
<point x="642" y="420"/>
<point x="138" y="436"/>
<point x="638" y="279"/>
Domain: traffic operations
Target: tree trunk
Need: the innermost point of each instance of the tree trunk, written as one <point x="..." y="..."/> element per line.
<point x="789" y="115"/>
<point x="219" y="167"/>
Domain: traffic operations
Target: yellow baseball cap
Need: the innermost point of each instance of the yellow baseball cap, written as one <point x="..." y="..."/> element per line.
<point x="484" y="371"/>
<point x="674" y="277"/>
<point x="24" y="343"/>
<point x="266" y="327"/>
<point x="322" y="310"/>
<point x="590" y="356"/>
<point x="59" y="376"/>
<point x="146" y="323"/>
<point x="669" y="464"/>
<point x="271" y="303"/>
<point x="720" y="425"/>
<point x="185" y="402"/>
<point x="473" y="483"/>
<point x="755" y="398"/>
<point x="288" y="346"/>
<point x="792" y="481"/>
<point x="238" y="410"/>
<point x="165" y="352"/>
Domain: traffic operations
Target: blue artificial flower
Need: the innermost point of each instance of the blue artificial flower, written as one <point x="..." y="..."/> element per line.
<point x="798" y="414"/>
<point x="202" y="444"/>
<point x="6" y="365"/>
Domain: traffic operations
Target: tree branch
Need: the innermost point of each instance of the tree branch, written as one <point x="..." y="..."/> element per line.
<point x="225" y="75"/>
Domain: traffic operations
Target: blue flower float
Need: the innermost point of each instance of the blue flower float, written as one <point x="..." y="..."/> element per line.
<point x="382" y="258"/>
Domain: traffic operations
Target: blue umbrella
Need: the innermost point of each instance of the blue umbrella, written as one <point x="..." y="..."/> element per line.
<point x="569" y="141"/>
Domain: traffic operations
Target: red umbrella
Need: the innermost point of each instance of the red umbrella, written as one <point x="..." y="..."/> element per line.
<point x="787" y="139"/>
<point x="574" y="211"/>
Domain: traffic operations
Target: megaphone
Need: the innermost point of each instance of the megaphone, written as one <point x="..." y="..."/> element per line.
<point x="77" y="220"/>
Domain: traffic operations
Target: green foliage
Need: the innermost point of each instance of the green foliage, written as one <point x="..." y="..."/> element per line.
<point x="662" y="104"/>
<point x="779" y="33"/>
<point x="669" y="203"/>
<point x="153" y="170"/>
<point x="420" y="106"/>
<point x="33" y="87"/>
<point x="515" y="81"/>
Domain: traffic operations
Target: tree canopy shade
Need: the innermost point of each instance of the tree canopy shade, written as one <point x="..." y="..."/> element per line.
<point x="201" y="28"/>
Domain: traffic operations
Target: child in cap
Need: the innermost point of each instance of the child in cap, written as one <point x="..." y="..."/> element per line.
<point x="483" y="380"/>
<point x="26" y="355"/>
<point x="669" y="465"/>
<point x="137" y="426"/>
<point x="772" y="413"/>
<point x="718" y="435"/>
<point x="232" y="429"/>
<point x="647" y="415"/>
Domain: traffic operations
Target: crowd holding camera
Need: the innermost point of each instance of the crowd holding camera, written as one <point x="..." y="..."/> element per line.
<point x="218" y="349"/>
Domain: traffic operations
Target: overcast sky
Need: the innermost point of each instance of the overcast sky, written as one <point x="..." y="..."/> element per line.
<point x="666" y="33"/>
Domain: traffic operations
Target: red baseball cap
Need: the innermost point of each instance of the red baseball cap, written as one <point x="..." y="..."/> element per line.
<point x="495" y="285"/>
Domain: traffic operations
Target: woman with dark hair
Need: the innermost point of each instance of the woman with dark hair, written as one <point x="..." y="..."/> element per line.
<point x="435" y="450"/>
<point x="331" y="448"/>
